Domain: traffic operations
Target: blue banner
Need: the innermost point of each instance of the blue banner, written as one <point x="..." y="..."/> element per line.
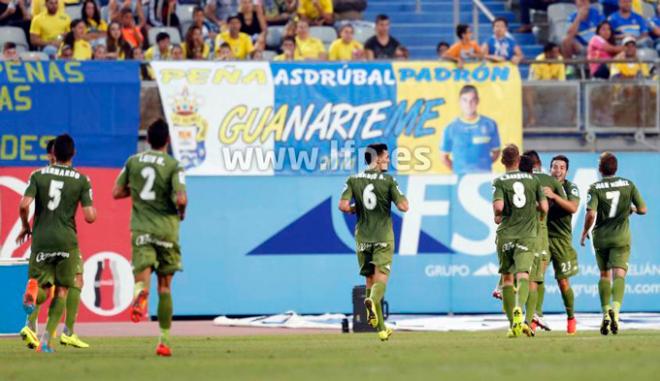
<point x="98" y="103"/>
<point x="272" y="244"/>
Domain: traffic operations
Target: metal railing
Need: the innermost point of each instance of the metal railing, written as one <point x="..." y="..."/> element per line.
<point x="477" y="8"/>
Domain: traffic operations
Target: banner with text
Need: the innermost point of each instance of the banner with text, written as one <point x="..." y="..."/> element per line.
<point x="260" y="118"/>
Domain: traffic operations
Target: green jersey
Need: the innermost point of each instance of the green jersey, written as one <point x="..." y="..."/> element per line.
<point x="520" y="192"/>
<point x="373" y="191"/>
<point x="153" y="178"/>
<point x="57" y="190"/>
<point x="548" y="181"/>
<point x="611" y="198"/>
<point x="560" y="220"/>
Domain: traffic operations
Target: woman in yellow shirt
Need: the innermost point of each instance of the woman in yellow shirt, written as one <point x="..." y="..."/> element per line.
<point x="308" y="47"/>
<point x="195" y="48"/>
<point x="96" y="27"/>
<point x="345" y="48"/>
<point x="82" y="50"/>
<point x="118" y="48"/>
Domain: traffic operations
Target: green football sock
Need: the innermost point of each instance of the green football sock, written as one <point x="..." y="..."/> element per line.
<point x="55" y="312"/>
<point x="569" y="299"/>
<point x="509" y="301"/>
<point x="72" y="303"/>
<point x="523" y="292"/>
<point x="165" y="316"/>
<point x="377" y="294"/>
<point x="531" y="305"/>
<point x="540" y="298"/>
<point x="31" y="321"/>
<point x="618" y="288"/>
<point x="605" y="291"/>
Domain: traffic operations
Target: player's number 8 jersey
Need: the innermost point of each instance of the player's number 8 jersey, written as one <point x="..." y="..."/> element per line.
<point x="520" y="193"/>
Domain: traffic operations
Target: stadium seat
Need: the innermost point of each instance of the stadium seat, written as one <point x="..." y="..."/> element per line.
<point x="105" y="13"/>
<point x="648" y="10"/>
<point x="362" y="34"/>
<point x="185" y="13"/>
<point x="33" y="56"/>
<point x="326" y="34"/>
<point x="74" y="11"/>
<point x="268" y="55"/>
<point x="15" y="35"/>
<point x="558" y="17"/>
<point x="175" y="36"/>
<point x="274" y="36"/>
<point x="647" y="54"/>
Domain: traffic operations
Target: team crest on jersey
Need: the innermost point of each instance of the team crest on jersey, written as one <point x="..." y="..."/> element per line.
<point x="189" y="129"/>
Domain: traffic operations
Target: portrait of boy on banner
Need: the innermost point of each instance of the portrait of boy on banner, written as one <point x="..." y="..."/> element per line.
<point x="471" y="142"/>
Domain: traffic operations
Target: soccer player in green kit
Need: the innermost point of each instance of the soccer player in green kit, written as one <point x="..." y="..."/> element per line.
<point x="516" y="198"/>
<point x="155" y="181"/>
<point x="55" y="257"/>
<point x="560" y="235"/>
<point x="374" y="191"/>
<point x="537" y="277"/>
<point x="610" y="202"/>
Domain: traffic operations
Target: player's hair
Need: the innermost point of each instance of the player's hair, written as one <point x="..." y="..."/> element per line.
<point x="560" y="158"/>
<point x="158" y="134"/>
<point x="461" y="29"/>
<point x="526" y="163"/>
<point x="373" y="151"/>
<point x="469" y="89"/>
<point x="608" y="164"/>
<point x="382" y="17"/>
<point x="50" y="146"/>
<point x="502" y="19"/>
<point x="536" y="159"/>
<point x="510" y="155"/>
<point x="547" y="48"/>
<point x="64" y="148"/>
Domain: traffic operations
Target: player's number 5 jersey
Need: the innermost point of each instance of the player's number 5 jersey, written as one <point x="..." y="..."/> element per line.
<point x="373" y="192"/>
<point x="153" y="178"/>
<point x="520" y="193"/>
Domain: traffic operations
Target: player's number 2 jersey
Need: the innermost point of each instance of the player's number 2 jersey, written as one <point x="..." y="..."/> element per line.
<point x="153" y="178"/>
<point x="373" y="192"/>
<point x="520" y="193"/>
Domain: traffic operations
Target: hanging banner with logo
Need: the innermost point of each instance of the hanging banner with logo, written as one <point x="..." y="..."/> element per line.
<point x="260" y="118"/>
<point x="97" y="103"/>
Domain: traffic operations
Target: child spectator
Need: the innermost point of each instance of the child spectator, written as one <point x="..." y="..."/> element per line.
<point x="602" y="46"/>
<point x="9" y="52"/>
<point x="441" y="48"/>
<point x="161" y="51"/>
<point x="129" y="30"/>
<point x="288" y="50"/>
<point x="345" y="48"/>
<point x="225" y="53"/>
<point x="466" y="49"/>
<point x="401" y="53"/>
<point x="65" y="53"/>
<point x="100" y="53"/>
<point x="501" y="46"/>
<point x="177" y="53"/>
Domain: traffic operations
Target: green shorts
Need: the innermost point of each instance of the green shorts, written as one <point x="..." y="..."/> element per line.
<point x="613" y="257"/>
<point x="375" y="255"/>
<point x="58" y="268"/>
<point x="515" y="255"/>
<point x="564" y="257"/>
<point x="159" y="254"/>
<point x="539" y="266"/>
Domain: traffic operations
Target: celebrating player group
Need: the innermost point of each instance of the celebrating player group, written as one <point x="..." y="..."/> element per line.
<point x="533" y="210"/>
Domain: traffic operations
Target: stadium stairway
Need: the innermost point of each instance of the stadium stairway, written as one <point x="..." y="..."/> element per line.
<point x="421" y="32"/>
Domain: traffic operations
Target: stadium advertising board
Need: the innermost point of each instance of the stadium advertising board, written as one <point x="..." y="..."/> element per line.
<point x="260" y="118"/>
<point x="98" y="104"/>
<point x="272" y="244"/>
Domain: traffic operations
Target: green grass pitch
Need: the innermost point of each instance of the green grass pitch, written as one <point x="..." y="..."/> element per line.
<point x="630" y="356"/>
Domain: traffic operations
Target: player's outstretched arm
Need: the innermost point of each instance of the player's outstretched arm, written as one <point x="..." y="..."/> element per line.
<point x="24" y="212"/>
<point x="589" y="220"/>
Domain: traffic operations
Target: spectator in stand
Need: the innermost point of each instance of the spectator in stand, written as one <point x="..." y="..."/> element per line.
<point x="345" y="48"/>
<point x="194" y="47"/>
<point x="163" y="13"/>
<point x="217" y="11"/>
<point x="116" y="7"/>
<point x="162" y="50"/>
<point x="525" y="15"/>
<point x="177" y="53"/>
<point x="278" y="12"/>
<point x="81" y="49"/>
<point x="441" y="48"/>
<point x="100" y="53"/>
<point x="9" y="52"/>
<point x="7" y="11"/>
<point x="401" y="53"/>
<point x="129" y="30"/>
<point x="548" y="71"/>
<point x="288" y="50"/>
<point x="240" y="43"/>
<point x="609" y="6"/>
<point x="601" y="47"/>
<point x="39" y="6"/>
<point x="91" y="15"/>
<point x="466" y="49"/>
<point x="632" y="69"/>
<point x="625" y="22"/>
<point x="253" y="23"/>
<point x="291" y="28"/>
<point x="501" y="47"/>
<point x="583" y="27"/>
<point x="208" y="31"/>
<point x="65" y="53"/>
<point x="225" y="53"/>
<point x="48" y="28"/>
<point x="117" y="47"/>
<point x="381" y="45"/>
<point x="308" y="47"/>
<point x="654" y="28"/>
<point x="348" y="9"/>
<point x="316" y="12"/>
